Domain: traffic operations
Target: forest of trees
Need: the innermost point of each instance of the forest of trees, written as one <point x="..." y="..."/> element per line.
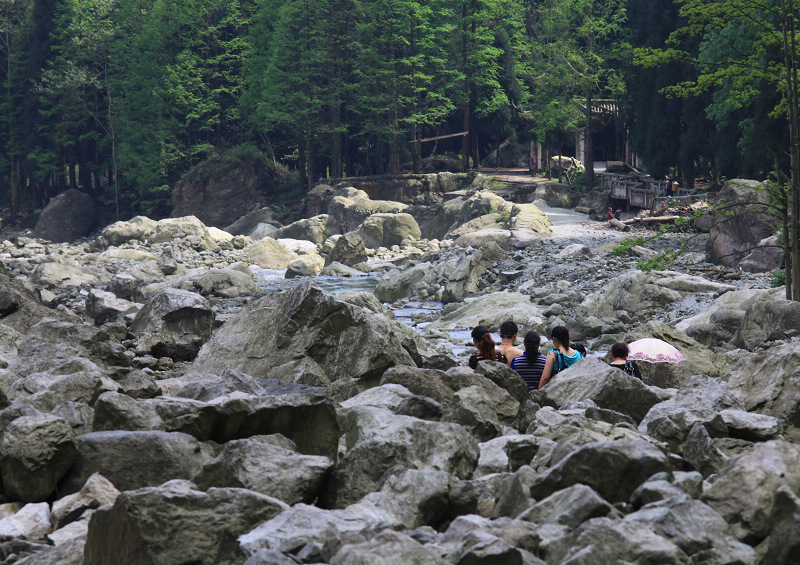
<point x="119" y="98"/>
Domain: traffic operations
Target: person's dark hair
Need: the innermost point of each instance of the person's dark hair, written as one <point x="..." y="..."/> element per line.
<point x="509" y="329"/>
<point x="620" y="350"/>
<point x="484" y="342"/>
<point x="532" y="342"/>
<point x="561" y="333"/>
<point x="579" y="347"/>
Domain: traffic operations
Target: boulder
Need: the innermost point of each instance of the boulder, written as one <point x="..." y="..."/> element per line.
<point x="350" y="207"/>
<point x="247" y="223"/>
<point x="69" y="553"/>
<point x="103" y="307"/>
<point x="472" y="408"/>
<point x="386" y="230"/>
<point x="176" y="523"/>
<point x="639" y="295"/>
<point x="701" y="453"/>
<point x="75" y="380"/>
<point x="131" y="255"/>
<point x="132" y="460"/>
<point x="67" y="217"/>
<point x="604" y="540"/>
<point x="767" y="256"/>
<point x="268" y="469"/>
<point x="716" y="325"/>
<point x="138" y="228"/>
<point x="189" y="228"/>
<point x="50" y="343"/>
<point x="223" y="283"/>
<point x="98" y="491"/>
<point x="19" y="308"/>
<point x="766" y="383"/>
<point x="315" y="229"/>
<point x="390" y="548"/>
<point x="380" y="444"/>
<point x="745" y="489"/>
<point x="614" y="469"/>
<point x="36" y="450"/>
<point x="571" y="507"/>
<point x="226" y="186"/>
<point x="607" y="386"/>
<point x="175" y="316"/>
<point x="9" y="340"/>
<point x="401" y="283"/>
<point x="305" y="266"/>
<point x="573" y="426"/>
<point x="492" y="310"/>
<point x="31" y="522"/>
<point x="700" y="401"/>
<point x="77" y="414"/>
<point x="52" y="274"/>
<point x="528" y="226"/>
<point x="268" y="253"/>
<point x="349" y="250"/>
<point x="738" y="224"/>
<point x="321" y="340"/>
<point x="301" y="413"/>
<point x="767" y="316"/>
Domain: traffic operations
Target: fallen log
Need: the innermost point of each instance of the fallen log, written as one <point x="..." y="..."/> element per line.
<point x="583" y="209"/>
<point x="622" y="226"/>
<point x="656" y="220"/>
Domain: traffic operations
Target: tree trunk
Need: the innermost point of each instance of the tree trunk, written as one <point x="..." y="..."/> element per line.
<point x="416" y="149"/>
<point x="588" y="145"/>
<point x="337" y="170"/>
<point x="465" y="142"/>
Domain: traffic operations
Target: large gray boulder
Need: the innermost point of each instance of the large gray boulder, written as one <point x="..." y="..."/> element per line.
<point x="492" y="310"/>
<point x="51" y="343"/>
<point x="767" y="317"/>
<point x="260" y="466"/>
<point x="739" y="223"/>
<point x="176" y="523"/>
<point x="380" y="444"/>
<point x="349" y="250"/>
<point x="103" y="307"/>
<point x="25" y="522"/>
<point x="188" y="228"/>
<point x="138" y="228"/>
<point x="67" y="217"/>
<point x="74" y="380"/>
<point x="600" y="541"/>
<point x="386" y="230"/>
<point x="224" y="283"/>
<point x="301" y="413"/>
<point x="36" y="450"/>
<point x="132" y="460"/>
<point x="57" y="274"/>
<point x="98" y="491"/>
<point x="19" y="308"/>
<point x="349" y="207"/>
<point x="700" y="401"/>
<point x="614" y="469"/>
<point x="388" y="548"/>
<point x="310" y="336"/>
<point x="767" y="383"/>
<point x="608" y="387"/>
<point x="315" y="229"/>
<point x="744" y="491"/>
<point x="716" y="325"/>
<point x="174" y="316"/>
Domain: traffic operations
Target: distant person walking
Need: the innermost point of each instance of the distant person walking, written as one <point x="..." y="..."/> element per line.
<point x="530" y="364"/>
<point x="508" y="336"/>
<point x="482" y="338"/>
<point x="561" y="356"/>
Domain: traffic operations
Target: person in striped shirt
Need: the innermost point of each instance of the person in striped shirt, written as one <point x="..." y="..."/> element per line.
<point x="530" y="364"/>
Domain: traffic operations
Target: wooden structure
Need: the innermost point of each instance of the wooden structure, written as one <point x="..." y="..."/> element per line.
<point x="639" y="191"/>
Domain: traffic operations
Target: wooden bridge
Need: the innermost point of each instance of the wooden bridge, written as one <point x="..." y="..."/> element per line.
<point x="640" y="192"/>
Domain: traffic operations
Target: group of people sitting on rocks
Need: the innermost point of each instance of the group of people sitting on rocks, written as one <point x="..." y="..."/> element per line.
<point x="534" y="368"/>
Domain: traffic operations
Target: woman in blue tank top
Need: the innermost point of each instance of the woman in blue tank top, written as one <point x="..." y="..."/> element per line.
<point x="561" y="357"/>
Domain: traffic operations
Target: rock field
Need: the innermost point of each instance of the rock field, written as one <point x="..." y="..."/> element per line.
<point x="161" y="404"/>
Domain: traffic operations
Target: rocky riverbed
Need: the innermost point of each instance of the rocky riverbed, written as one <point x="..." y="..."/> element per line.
<point x="176" y="393"/>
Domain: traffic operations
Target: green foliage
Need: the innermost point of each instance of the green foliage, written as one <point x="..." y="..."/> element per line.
<point x="627" y="244"/>
<point x="779" y="279"/>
